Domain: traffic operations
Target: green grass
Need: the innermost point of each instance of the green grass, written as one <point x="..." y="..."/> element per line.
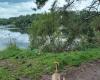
<point x="15" y="63"/>
<point x="5" y="75"/>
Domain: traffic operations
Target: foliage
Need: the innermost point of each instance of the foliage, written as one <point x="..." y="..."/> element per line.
<point x="95" y="23"/>
<point x="4" y="21"/>
<point x="21" y="22"/>
<point x="40" y="3"/>
<point x="42" y="28"/>
<point x="50" y="29"/>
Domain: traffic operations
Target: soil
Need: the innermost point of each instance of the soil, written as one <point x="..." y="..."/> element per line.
<point x="87" y="71"/>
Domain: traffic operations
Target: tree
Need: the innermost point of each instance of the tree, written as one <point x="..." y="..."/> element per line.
<point x="50" y="29"/>
<point x="95" y="23"/>
<point x="43" y="28"/>
<point x="41" y="3"/>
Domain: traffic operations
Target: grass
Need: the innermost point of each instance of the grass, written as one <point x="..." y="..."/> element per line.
<point x="16" y="63"/>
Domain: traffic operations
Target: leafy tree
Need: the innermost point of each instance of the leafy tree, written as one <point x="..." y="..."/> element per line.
<point x="43" y="28"/>
<point x="95" y="23"/>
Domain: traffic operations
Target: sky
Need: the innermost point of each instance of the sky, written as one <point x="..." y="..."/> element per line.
<point x="14" y="8"/>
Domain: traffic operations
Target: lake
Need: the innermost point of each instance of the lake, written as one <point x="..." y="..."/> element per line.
<point x="7" y="36"/>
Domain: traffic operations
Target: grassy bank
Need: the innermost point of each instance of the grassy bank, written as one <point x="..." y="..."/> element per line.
<point x="16" y="63"/>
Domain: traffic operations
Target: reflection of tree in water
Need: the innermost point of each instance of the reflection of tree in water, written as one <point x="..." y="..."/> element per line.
<point x="12" y="41"/>
<point x="15" y="38"/>
<point x="18" y="30"/>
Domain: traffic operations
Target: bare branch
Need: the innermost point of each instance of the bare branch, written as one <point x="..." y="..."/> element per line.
<point x="69" y="3"/>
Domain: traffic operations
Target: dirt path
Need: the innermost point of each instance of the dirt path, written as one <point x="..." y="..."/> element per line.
<point x="87" y="71"/>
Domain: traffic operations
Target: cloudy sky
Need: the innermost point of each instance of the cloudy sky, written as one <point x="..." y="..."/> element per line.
<point x="12" y="8"/>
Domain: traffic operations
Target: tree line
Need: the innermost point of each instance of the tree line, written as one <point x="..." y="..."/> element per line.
<point x="21" y="22"/>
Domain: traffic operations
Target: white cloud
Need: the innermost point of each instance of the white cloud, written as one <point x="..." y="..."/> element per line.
<point x="15" y="9"/>
<point x="82" y="4"/>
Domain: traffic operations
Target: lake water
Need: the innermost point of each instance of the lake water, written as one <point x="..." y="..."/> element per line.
<point x="7" y="37"/>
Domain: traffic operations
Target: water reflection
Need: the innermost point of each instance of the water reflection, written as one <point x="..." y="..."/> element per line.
<point x="7" y="36"/>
